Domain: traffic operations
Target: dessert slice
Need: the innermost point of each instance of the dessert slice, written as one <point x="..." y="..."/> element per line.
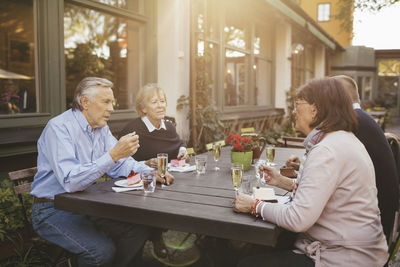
<point x="178" y="162"/>
<point x="133" y="178"/>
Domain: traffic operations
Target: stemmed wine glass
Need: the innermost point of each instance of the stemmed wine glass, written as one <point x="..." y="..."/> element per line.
<point x="237" y="175"/>
<point x="162" y="159"/>
<point x="216" y="154"/>
<point x="270" y="155"/>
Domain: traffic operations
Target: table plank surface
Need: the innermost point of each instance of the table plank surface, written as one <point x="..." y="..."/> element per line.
<point x="193" y="203"/>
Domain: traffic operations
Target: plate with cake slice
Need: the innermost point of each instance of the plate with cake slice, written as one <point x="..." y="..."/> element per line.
<point x="124" y="183"/>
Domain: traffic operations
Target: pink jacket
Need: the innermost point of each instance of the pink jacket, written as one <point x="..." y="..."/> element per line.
<point x="336" y="206"/>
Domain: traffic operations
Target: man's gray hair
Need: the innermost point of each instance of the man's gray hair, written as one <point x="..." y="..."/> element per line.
<point x="88" y="87"/>
<point x="350" y="86"/>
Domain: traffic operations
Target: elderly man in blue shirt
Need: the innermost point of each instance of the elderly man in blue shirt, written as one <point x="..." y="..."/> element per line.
<point x="75" y="149"/>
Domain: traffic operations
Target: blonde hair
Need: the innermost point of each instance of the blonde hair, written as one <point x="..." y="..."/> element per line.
<point x="350" y="85"/>
<point x="145" y="93"/>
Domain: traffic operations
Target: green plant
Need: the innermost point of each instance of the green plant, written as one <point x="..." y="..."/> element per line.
<point x="27" y="254"/>
<point x="208" y="125"/>
<point x="11" y="212"/>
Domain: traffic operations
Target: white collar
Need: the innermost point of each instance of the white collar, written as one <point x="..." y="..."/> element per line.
<point x="150" y="126"/>
<point x="356" y="106"/>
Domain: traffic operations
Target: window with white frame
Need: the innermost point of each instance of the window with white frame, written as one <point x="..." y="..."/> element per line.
<point x="324" y="12"/>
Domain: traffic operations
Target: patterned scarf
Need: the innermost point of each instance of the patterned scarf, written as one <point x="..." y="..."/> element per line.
<point x="313" y="138"/>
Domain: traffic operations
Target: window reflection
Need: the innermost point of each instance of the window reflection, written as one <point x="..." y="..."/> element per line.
<point x="103" y="45"/>
<point x="235" y="37"/>
<point x="17" y="57"/>
<point x="133" y="5"/>
<point x="235" y="85"/>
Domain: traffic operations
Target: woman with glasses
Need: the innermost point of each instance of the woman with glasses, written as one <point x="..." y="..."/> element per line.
<point x="334" y="205"/>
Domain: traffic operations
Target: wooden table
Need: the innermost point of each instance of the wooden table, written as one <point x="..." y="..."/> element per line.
<point x="194" y="203"/>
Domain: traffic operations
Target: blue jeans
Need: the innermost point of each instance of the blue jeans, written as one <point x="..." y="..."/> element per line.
<point x="95" y="241"/>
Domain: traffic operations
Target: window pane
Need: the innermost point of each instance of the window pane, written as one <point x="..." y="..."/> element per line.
<point x="236" y="78"/>
<point x="262" y="69"/>
<point x="102" y="45"/>
<point x="212" y="22"/>
<point x="262" y="41"/>
<point x="204" y="19"/>
<point x="389" y="67"/>
<point x="133" y="5"/>
<point x="18" y="92"/>
<point x="235" y="34"/>
<point x="324" y="12"/>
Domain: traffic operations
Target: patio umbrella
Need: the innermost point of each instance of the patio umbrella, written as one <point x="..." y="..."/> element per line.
<point x="12" y="75"/>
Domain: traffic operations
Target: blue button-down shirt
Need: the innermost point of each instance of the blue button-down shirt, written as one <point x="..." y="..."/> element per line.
<point x="72" y="156"/>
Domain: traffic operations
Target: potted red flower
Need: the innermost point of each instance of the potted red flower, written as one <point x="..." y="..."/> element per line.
<point x="241" y="149"/>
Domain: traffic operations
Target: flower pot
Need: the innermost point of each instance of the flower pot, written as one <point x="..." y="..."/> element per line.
<point x="243" y="158"/>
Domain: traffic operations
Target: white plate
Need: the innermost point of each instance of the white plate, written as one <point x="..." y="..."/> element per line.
<point x="124" y="183"/>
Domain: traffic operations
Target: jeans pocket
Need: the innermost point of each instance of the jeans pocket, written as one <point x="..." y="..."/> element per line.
<point x="40" y="212"/>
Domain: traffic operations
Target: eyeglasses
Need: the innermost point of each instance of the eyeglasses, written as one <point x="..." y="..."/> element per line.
<point x="298" y="103"/>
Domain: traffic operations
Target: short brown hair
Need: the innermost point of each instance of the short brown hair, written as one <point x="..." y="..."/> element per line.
<point x="144" y="94"/>
<point x="350" y="86"/>
<point x="334" y="106"/>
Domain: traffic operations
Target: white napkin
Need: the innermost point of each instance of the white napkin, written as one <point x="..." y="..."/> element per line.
<point x="123" y="189"/>
<point x="186" y="168"/>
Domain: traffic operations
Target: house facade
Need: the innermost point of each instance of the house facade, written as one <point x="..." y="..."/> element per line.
<point x="334" y="16"/>
<point x="255" y="52"/>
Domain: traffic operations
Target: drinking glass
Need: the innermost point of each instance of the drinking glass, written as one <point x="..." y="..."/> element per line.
<point x="246" y="184"/>
<point x="162" y="160"/>
<point x="149" y="181"/>
<point x="257" y="167"/>
<point x="237" y="174"/>
<point x="216" y="154"/>
<point x="270" y="155"/>
<point x="201" y="162"/>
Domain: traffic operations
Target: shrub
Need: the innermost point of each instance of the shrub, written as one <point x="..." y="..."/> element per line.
<point x="11" y="212"/>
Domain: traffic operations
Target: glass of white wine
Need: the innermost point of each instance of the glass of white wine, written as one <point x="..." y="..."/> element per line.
<point x="216" y="154"/>
<point x="162" y="160"/>
<point x="237" y="175"/>
<point x="270" y="155"/>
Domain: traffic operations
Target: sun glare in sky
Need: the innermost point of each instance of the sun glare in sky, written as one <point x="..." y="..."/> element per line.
<point x="378" y="30"/>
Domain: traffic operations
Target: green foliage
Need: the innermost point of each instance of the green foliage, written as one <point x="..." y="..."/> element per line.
<point x="81" y="62"/>
<point x="11" y="212"/>
<point x="209" y="127"/>
<point x="347" y="7"/>
<point x="286" y="128"/>
<point x="27" y="254"/>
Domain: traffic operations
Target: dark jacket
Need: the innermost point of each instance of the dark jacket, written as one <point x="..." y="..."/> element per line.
<point x="158" y="141"/>
<point x="374" y="140"/>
